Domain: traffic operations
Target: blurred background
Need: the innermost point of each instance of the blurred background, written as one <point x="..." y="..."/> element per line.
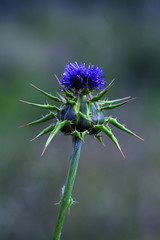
<point x="117" y="198"/>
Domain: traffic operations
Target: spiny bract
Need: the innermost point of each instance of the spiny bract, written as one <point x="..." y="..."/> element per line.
<point x="80" y="113"/>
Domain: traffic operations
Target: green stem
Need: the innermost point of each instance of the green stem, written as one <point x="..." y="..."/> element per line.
<point x="65" y="201"/>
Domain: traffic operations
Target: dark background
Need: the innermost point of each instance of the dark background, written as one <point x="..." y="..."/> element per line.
<point x="118" y="198"/>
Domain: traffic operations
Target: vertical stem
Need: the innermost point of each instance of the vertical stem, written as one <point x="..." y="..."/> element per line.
<point x="68" y="187"/>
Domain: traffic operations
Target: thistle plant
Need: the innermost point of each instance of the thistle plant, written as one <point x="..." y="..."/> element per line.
<point x="80" y="113"/>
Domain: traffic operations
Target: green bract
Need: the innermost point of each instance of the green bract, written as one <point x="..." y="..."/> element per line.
<point x="80" y="114"/>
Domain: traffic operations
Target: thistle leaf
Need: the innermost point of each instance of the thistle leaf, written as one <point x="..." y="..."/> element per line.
<point x="80" y="135"/>
<point x="84" y="134"/>
<point x="77" y="134"/>
<point x="116" y="105"/>
<point x="47" y="94"/>
<point x="109" y="133"/>
<point x="102" y="103"/>
<point x="56" y="129"/>
<point x="70" y="102"/>
<point x="43" y="119"/>
<point x="100" y="95"/>
<point x="99" y="137"/>
<point x="44" y="131"/>
<point x="114" y="122"/>
<point x="47" y="106"/>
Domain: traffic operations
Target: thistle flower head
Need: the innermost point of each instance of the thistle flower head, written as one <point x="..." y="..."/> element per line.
<point x="78" y="76"/>
<point x="81" y="114"/>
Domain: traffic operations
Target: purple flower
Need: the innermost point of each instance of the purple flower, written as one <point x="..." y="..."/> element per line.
<point x="78" y="76"/>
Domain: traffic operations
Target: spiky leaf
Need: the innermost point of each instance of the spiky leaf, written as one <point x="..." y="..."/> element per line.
<point x="43" y="119"/>
<point x="46" y="94"/>
<point x="116" y="105"/>
<point x="44" y="131"/>
<point x="102" y="93"/>
<point x="109" y="133"/>
<point x="56" y="129"/>
<point x="46" y="106"/>
<point x="103" y="103"/>
<point x="114" y="122"/>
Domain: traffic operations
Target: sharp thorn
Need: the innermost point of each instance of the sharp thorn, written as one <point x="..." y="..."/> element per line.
<point x="33" y="139"/>
<point x="43" y="151"/>
<point x="122" y="153"/>
<point x="25" y="125"/>
<point x="57" y="79"/>
<point x="24" y="101"/>
<point x="34" y="86"/>
<point x="139" y="137"/>
<point x="103" y="144"/>
<point x="111" y="83"/>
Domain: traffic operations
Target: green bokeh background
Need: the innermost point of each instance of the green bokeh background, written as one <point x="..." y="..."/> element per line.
<point x="118" y="198"/>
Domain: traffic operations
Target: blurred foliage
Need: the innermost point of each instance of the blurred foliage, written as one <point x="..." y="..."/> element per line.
<point x="117" y="199"/>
